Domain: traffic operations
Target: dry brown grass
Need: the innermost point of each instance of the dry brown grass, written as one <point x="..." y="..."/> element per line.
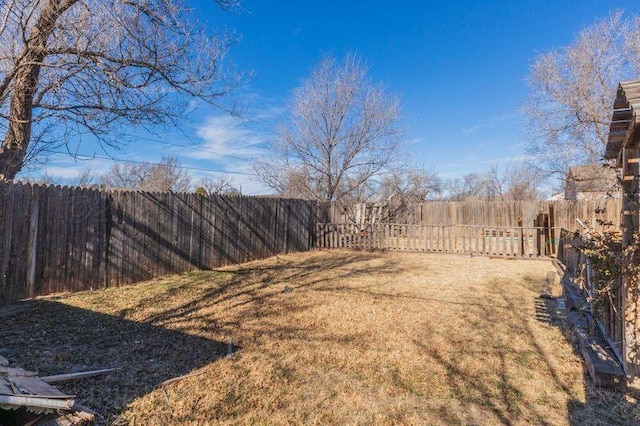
<point x="320" y="338"/>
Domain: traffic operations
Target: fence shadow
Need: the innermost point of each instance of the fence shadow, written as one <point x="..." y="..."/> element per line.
<point x="299" y="275"/>
<point x="55" y="338"/>
<point x="601" y="407"/>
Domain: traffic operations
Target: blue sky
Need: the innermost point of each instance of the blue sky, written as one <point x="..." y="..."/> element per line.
<point x="459" y="68"/>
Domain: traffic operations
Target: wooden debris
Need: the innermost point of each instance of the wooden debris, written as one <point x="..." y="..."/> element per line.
<point x="74" y="418"/>
<point x="37" y="402"/>
<point x="16" y="382"/>
<point x="24" y="390"/>
<point x="601" y="362"/>
<point x="73" y="376"/>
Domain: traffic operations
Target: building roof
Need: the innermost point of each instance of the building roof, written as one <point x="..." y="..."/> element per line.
<point x="557" y="197"/>
<point x="624" y="119"/>
<point x="592" y="178"/>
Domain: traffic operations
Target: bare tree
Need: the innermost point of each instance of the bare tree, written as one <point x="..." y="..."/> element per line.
<point x="402" y="188"/>
<point x="76" y="67"/>
<point x="125" y="175"/>
<point x="453" y="189"/>
<point x="411" y="185"/>
<point x="85" y="178"/>
<point x="515" y="182"/>
<point x="222" y="185"/>
<point x="474" y="185"/>
<point x="342" y="130"/>
<point x="572" y="91"/>
<point x="520" y="182"/>
<point x="168" y="175"/>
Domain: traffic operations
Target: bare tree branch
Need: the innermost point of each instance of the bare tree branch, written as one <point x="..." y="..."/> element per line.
<point x="92" y="66"/>
<point x="222" y="185"/>
<point x="572" y="91"/>
<point x="341" y="132"/>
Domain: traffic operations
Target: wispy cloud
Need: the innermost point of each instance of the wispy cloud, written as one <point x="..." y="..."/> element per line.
<point x="225" y="137"/>
<point x="491" y="122"/>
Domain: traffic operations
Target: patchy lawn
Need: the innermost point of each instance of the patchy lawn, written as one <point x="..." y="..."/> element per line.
<point x="321" y="337"/>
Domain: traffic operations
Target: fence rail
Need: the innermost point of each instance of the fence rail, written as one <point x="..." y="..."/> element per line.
<point x="526" y="242"/>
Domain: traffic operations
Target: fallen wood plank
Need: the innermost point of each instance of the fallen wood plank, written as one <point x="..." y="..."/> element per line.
<point x="602" y="364"/>
<point x="16" y="381"/>
<point x="35" y="401"/>
<point x="73" y="376"/>
<point x="17" y="371"/>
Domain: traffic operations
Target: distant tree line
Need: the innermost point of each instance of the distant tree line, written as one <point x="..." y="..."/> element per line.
<point x="398" y="188"/>
<point x="167" y="175"/>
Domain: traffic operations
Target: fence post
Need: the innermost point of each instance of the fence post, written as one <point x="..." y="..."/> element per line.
<point x="521" y="237"/>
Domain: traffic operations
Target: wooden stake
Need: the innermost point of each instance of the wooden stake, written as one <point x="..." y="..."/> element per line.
<point x="73" y="376"/>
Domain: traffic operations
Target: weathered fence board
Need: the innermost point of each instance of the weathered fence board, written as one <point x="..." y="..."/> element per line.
<point x="69" y="239"/>
<point x="59" y="239"/>
<point x="606" y="311"/>
<point x="560" y="214"/>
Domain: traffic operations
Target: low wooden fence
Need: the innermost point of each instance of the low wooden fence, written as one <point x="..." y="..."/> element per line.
<point x="528" y="242"/>
<point x="607" y="312"/>
<point x="57" y="239"/>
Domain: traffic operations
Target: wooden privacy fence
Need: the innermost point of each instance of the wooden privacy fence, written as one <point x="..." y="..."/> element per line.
<point x="560" y="214"/>
<point x="528" y="242"/>
<point x="70" y="239"/>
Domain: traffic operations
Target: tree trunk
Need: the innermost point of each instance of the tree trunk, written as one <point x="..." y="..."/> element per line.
<point x="16" y="139"/>
<point x="11" y="161"/>
<point x="24" y="85"/>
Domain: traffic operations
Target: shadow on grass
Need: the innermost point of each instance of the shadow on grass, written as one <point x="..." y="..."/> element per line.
<point x="54" y="338"/>
<point x="602" y="406"/>
<point x="285" y="275"/>
<point x="503" y="397"/>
